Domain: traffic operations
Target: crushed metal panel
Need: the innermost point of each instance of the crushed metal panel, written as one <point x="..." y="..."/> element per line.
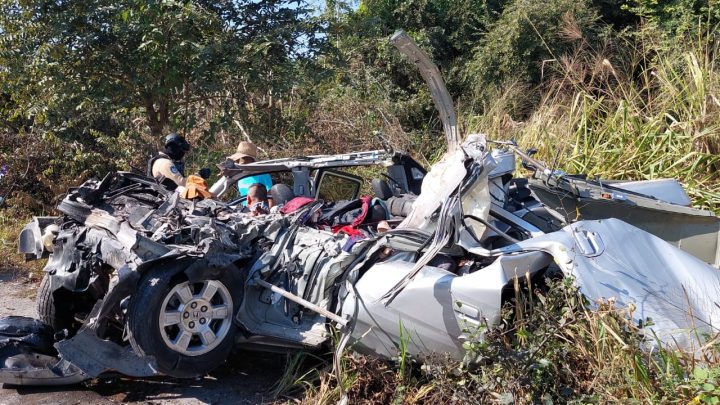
<point x="443" y="179"/>
<point x="475" y="201"/>
<point x="667" y="190"/>
<point x="102" y="219"/>
<point x="305" y="262"/>
<point x="692" y="230"/>
<point x="95" y="356"/>
<point x="42" y="370"/>
<point x="27" y="355"/>
<point x="611" y="259"/>
<point x="422" y="313"/>
<point x="437" y="311"/>
<point x="440" y="182"/>
<point x="431" y="74"/>
<point x="30" y="239"/>
<point x="30" y="242"/>
<point x="233" y="172"/>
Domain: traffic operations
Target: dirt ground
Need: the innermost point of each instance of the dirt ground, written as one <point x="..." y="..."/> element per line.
<point x="246" y="378"/>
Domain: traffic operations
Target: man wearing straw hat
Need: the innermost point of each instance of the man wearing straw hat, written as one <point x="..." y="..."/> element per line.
<point x="247" y="153"/>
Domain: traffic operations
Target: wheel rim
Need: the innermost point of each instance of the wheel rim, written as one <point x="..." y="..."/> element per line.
<point x="196" y="317"/>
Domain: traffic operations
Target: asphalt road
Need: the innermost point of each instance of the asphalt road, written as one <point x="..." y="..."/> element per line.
<point x="246" y="378"/>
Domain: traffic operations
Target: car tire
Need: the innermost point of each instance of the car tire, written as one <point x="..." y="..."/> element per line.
<point x="58" y="317"/>
<point x="187" y="327"/>
<point x="64" y="309"/>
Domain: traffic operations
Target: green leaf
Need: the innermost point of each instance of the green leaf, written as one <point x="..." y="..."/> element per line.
<point x="701" y="374"/>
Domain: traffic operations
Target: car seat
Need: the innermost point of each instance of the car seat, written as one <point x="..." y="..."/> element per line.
<point x="381" y="188"/>
<point x="281" y="194"/>
<point x="399" y="205"/>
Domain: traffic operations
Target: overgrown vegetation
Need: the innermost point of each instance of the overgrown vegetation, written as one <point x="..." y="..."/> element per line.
<point x="90" y="87"/>
<point x="551" y="347"/>
<point x="651" y="111"/>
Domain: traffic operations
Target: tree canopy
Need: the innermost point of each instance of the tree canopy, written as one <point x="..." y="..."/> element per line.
<point x="89" y="86"/>
<point x="67" y="60"/>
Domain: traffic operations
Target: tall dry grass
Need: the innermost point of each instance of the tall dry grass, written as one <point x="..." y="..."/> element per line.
<point x="641" y="108"/>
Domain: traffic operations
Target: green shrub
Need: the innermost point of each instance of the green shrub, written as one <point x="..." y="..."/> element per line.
<point x="524" y="42"/>
<point x="677" y="17"/>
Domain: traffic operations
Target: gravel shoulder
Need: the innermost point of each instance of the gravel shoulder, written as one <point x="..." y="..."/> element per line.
<point x="246" y="378"/>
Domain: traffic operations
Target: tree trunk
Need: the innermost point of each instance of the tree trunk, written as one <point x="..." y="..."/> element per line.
<point x="152" y="117"/>
<point x="163" y="113"/>
<point x="158" y="119"/>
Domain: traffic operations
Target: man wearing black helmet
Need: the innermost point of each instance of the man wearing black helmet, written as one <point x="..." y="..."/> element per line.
<point x="168" y="166"/>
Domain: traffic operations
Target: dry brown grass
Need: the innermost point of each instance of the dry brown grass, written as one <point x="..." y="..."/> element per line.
<point x="633" y="116"/>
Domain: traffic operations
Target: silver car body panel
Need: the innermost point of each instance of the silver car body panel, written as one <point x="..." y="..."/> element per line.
<point x="613" y="260"/>
<point x="668" y="190"/>
<point x="672" y="291"/>
<point x="437" y="311"/>
<point x="232" y="172"/>
<point x="693" y="230"/>
<point x="443" y="180"/>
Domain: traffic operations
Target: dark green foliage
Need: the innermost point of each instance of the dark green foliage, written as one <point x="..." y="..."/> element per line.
<point x="368" y="74"/>
<point x="90" y="86"/>
<point x="527" y="40"/>
<point x="93" y="85"/>
<point x="678" y="17"/>
<point x="79" y="58"/>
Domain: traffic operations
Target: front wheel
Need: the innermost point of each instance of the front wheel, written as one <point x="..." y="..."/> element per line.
<point x="64" y="309"/>
<point x="187" y="326"/>
<point x="58" y="316"/>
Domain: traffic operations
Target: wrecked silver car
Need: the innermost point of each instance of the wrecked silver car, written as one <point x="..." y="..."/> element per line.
<point x="142" y="282"/>
<point x="126" y="248"/>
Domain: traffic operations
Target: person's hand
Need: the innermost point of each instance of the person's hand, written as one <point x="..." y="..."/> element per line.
<point x="205" y="173"/>
<point x="259" y="208"/>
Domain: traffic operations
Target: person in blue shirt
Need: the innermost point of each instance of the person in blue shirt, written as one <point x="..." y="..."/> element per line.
<point x="247" y="153"/>
<point x="257" y="200"/>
